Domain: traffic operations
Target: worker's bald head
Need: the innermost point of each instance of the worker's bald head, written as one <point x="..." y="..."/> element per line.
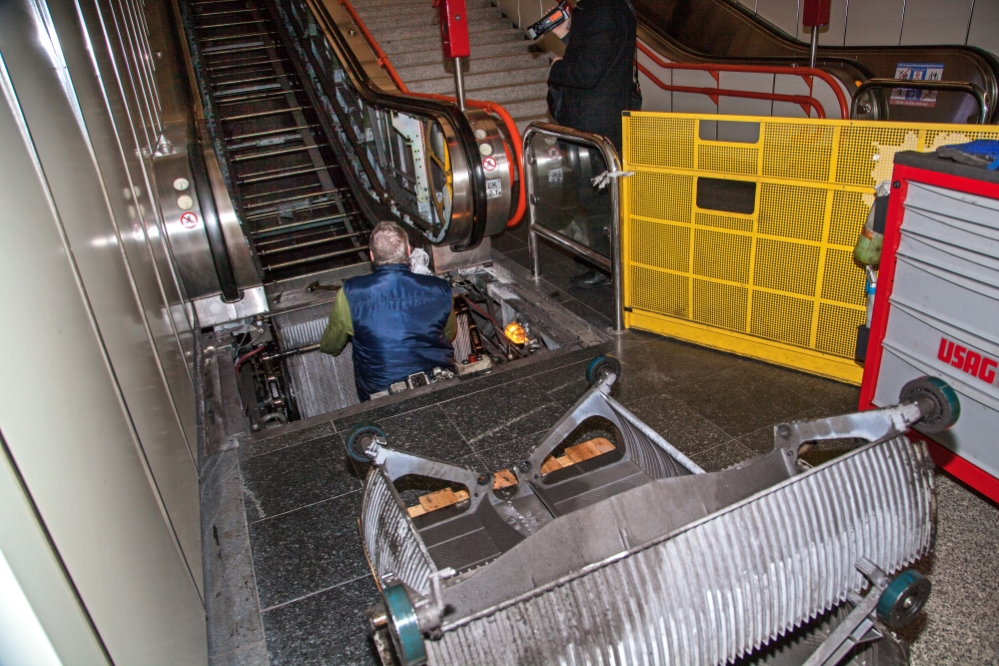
<point x="389" y="244"/>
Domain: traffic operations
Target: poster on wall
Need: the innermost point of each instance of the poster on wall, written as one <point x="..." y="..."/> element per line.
<point x="917" y="71"/>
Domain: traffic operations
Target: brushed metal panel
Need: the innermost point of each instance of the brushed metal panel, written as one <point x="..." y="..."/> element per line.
<point x="102" y="210"/>
<point x="984" y="20"/>
<point x="936" y="21"/>
<point x="61" y="407"/>
<point x="25" y="546"/>
<point x="874" y="22"/>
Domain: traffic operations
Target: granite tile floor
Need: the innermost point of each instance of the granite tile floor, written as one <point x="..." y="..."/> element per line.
<point x="301" y="575"/>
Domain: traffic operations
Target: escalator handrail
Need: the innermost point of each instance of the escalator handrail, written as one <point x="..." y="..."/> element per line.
<point x="949" y="86"/>
<point x="804" y="101"/>
<point x="846" y="57"/>
<point x="715" y="69"/>
<point x="386" y="63"/>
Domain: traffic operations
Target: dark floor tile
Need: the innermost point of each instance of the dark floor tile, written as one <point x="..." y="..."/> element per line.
<point x="505" y="455"/>
<point x="592" y="317"/>
<point x="508" y="241"/>
<point x="759" y="441"/>
<point x="328" y="628"/>
<point x="426" y="432"/>
<point x="722" y="456"/>
<point x="307" y="550"/>
<point x="257" y="447"/>
<point x="667" y="363"/>
<point x="254" y="654"/>
<point x="296" y="476"/>
<point x="490" y="418"/>
<point x="521" y="256"/>
<point x="740" y="400"/>
<point x="599" y="299"/>
<point x="564" y="385"/>
<point x="832" y="397"/>
<point x="678" y="424"/>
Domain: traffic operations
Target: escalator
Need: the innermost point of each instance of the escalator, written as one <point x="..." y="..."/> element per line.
<point x="315" y="144"/>
<point x="720" y="31"/>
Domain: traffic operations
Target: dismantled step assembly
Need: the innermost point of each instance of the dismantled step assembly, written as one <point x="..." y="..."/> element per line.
<point x="609" y="546"/>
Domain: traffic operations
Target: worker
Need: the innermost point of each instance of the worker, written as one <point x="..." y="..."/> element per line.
<point x="400" y="322"/>
<point x="590" y="86"/>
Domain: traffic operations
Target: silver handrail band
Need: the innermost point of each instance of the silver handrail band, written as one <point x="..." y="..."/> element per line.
<point x="613" y="162"/>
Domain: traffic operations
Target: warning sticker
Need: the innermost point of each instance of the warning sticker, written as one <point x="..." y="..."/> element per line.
<point x="554" y="154"/>
<point x="489" y="163"/>
<point x="917" y="71"/>
<point x="494" y="188"/>
<point x="189" y="220"/>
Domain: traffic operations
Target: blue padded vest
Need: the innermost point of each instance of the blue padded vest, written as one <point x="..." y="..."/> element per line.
<point x="399" y="320"/>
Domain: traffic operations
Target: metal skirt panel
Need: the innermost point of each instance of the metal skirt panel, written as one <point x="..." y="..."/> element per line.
<point x="725" y="585"/>
<point x="390" y="540"/>
<point x="320" y="383"/>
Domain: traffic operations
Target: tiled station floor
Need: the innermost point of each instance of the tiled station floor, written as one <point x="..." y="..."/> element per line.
<point x="292" y="542"/>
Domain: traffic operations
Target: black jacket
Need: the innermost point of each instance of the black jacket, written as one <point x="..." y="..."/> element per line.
<point x="596" y="75"/>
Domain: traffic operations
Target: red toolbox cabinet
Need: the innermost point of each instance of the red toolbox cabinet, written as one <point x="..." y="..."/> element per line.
<point x="936" y="309"/>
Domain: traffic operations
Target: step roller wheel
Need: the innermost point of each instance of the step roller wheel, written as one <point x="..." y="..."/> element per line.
<point x="601" y="366"/>
<point x="404" y="627"/>
<point x="903" y="599"/>
<point x="946" y="407"/>
<point x="358" y="438"/>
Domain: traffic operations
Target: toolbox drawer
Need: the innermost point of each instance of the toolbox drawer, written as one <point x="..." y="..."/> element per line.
<point x="916" y="344"/>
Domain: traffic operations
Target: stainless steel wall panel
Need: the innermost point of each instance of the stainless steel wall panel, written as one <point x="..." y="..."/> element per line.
<point x="102" y="211"/>
<point x="25" y="545"/>
<point x="62" y="408"/>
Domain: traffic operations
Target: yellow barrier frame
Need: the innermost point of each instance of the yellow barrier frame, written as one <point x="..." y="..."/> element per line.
<point x="686" y="268"/>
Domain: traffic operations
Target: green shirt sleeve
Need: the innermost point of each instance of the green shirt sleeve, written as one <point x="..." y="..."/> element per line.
<point x="339" y="328"/>
<point x="451" y="327"/>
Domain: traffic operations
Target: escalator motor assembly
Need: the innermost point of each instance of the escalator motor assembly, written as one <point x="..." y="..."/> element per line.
<point x="608" y="545"/>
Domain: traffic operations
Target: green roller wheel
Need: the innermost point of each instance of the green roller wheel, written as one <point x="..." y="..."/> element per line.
<point x="358" y="438"/>
<point x="601" y="366"/>
<point x="903" y="599"/>
<point x="937" y="401"/>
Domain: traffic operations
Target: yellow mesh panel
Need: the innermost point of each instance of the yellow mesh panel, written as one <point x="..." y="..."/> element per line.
<point x="783" y="318"/>
<point x="792" y="211"/>
<point x="837" y="332"/>
<point x="788" y="269"/>
<point x="723" y="222"/>
<point x="843" y="280"/>
<point x="786" y="266"/>
<point x="797" y="151"/>
<point x="663" y="293"/>
<point x="727" y="159"/>
<point x="660" y="244"/>
<point x="662" y="196"/>
<point x="720" y="304"/>
<point x="661" y="140"/>
<point x="867" y="152"/>
<point x="721" y="255"/>
<point x="849" y="213"/>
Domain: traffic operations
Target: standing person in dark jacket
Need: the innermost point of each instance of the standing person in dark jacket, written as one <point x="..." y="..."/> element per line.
<point x="401" y="322"/>
<point x="591" y="85"/>
<point x="596" y="74"/>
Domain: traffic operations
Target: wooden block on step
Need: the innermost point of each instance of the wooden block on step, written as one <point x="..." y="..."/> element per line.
<point x="415" y="511"/>
<point x="503" y="478"/>
<point x="551" y="464"/>
<point x="588" y="449"/>
<point x="441" y="499"/>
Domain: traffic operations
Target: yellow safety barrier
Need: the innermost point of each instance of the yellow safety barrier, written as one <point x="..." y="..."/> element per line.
<point x="779" y="282"/>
